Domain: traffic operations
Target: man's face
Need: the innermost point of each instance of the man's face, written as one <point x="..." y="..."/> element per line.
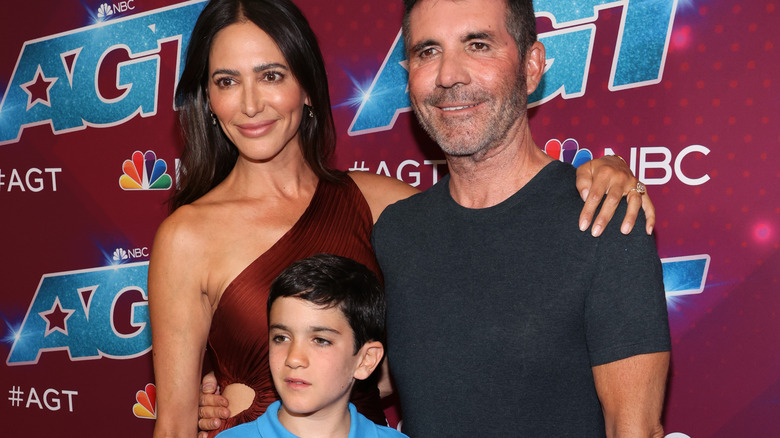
<point x="466" y="80"/>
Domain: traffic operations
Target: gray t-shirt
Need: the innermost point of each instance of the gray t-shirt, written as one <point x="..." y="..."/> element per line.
<point x="496" y="315"/>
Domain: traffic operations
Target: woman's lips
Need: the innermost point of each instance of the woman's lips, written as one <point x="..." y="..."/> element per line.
<point x="255" y="129"/>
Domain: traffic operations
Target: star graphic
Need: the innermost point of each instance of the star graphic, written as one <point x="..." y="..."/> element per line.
<point x="38" y="89"/>
<point x="56" y="318"/>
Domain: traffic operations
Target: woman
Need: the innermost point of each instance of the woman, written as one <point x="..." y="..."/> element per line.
<point x="256" y="194"/>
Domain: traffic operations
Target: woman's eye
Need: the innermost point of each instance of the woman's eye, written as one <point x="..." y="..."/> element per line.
<point x="224" y="82"/>
<point x="272" y="76"/>
<point x="279" y="339"/>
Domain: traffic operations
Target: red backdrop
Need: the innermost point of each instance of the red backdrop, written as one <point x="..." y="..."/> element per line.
<point x="684" y="90"/>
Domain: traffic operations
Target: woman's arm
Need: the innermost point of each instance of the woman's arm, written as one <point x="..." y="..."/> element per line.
<point x="611" y="175"/>
<point x="381" y="191"/>
<point x="180" y="316"/>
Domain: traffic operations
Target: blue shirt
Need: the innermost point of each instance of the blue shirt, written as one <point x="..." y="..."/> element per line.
<point x="268" y="426"/>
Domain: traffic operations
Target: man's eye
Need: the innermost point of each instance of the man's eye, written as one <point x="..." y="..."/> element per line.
<point x="427" y="53"/>
<point x="480" y="46"/>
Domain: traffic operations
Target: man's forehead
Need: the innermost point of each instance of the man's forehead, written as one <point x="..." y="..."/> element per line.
<point x="433" y="19"/>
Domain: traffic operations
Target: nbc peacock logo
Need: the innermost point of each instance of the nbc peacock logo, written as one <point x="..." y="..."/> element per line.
<point x="569" y="152"/>
<point x="144" y="171"/>
<point x="104" y="11"/>
<point x="146" y="402"/>
<point x="119" y="255"/>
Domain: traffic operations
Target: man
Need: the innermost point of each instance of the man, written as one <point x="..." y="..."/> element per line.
<point x="494" y="327"/>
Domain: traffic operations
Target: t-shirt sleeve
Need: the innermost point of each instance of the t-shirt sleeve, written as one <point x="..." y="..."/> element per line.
<point x="625" y="310"/>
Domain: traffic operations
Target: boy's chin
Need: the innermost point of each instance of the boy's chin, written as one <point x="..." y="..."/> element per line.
<point x="301" y="410"/>
<point x="300" y="406"/>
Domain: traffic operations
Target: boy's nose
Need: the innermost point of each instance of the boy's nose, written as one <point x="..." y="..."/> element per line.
<point x="296" y="357"/>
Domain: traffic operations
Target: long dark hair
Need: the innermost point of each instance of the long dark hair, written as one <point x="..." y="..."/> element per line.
<point x="208" y="155"/>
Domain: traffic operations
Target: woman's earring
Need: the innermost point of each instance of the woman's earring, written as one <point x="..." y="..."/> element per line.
<point x="213" y="119"/>
<point x="311" y="113"/>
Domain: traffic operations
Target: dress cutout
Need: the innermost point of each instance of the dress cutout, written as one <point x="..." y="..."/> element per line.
<point x="338" y="221"/>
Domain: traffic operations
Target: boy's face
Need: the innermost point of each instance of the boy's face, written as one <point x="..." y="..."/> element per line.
<point x="311" y="356"/>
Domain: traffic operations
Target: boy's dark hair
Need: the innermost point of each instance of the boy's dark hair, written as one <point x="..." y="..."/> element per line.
<point x="333" y="281"/>
<point x="520" y="23"/>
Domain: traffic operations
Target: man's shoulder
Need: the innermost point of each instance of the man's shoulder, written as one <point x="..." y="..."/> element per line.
<point x="419" y="204"/>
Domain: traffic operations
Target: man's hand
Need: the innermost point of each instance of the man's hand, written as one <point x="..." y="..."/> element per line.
<point x="611" y="175"/>
<point x="213" y="408"/>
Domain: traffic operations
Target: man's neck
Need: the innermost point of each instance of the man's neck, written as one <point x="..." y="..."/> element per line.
<point x="485" y="180"/>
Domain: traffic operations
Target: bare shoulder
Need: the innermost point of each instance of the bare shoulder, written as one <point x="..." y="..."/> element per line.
<point x="381" y="191"/>
<point x="181" y="229"/>
<point x="182" y="241"/>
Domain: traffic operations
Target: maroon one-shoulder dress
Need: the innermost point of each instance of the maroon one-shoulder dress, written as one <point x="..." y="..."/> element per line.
<point x="337" y="221"/>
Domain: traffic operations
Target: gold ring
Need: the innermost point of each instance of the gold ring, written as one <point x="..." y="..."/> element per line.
<point x="640" y="188"/>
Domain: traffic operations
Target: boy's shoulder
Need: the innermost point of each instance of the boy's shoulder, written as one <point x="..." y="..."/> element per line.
<point x="245" y="430"/>
<point x="388" y="432"/>
<point x="267" y="426"/>
<point x="362" y="427"/>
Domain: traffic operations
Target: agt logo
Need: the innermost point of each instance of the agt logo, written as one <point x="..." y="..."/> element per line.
<point x="92" y="313"/>
<point x="145" y="172"/>
<point x="33" y="179"/>
<point x="55" y="81"/>
<point x="640" y="53"/>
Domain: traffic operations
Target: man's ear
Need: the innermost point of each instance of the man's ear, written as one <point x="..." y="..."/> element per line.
<point x="370" y="356"/>
<point x="534" y="66"/>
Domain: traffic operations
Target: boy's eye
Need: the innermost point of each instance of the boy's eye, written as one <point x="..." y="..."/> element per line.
<point x="321" y="341"/>
<point x="278" y="339"/>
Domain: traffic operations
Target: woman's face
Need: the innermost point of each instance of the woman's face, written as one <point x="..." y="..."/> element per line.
<point x="253" y="93"/>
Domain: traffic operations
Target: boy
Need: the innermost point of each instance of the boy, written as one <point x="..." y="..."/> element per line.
<point x="326" y="315"/>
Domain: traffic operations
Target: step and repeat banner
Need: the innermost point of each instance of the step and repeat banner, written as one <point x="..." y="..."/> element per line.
<point x="685" y="90"/>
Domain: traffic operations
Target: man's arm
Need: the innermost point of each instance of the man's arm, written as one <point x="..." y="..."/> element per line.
<point x="631" y="392"/>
